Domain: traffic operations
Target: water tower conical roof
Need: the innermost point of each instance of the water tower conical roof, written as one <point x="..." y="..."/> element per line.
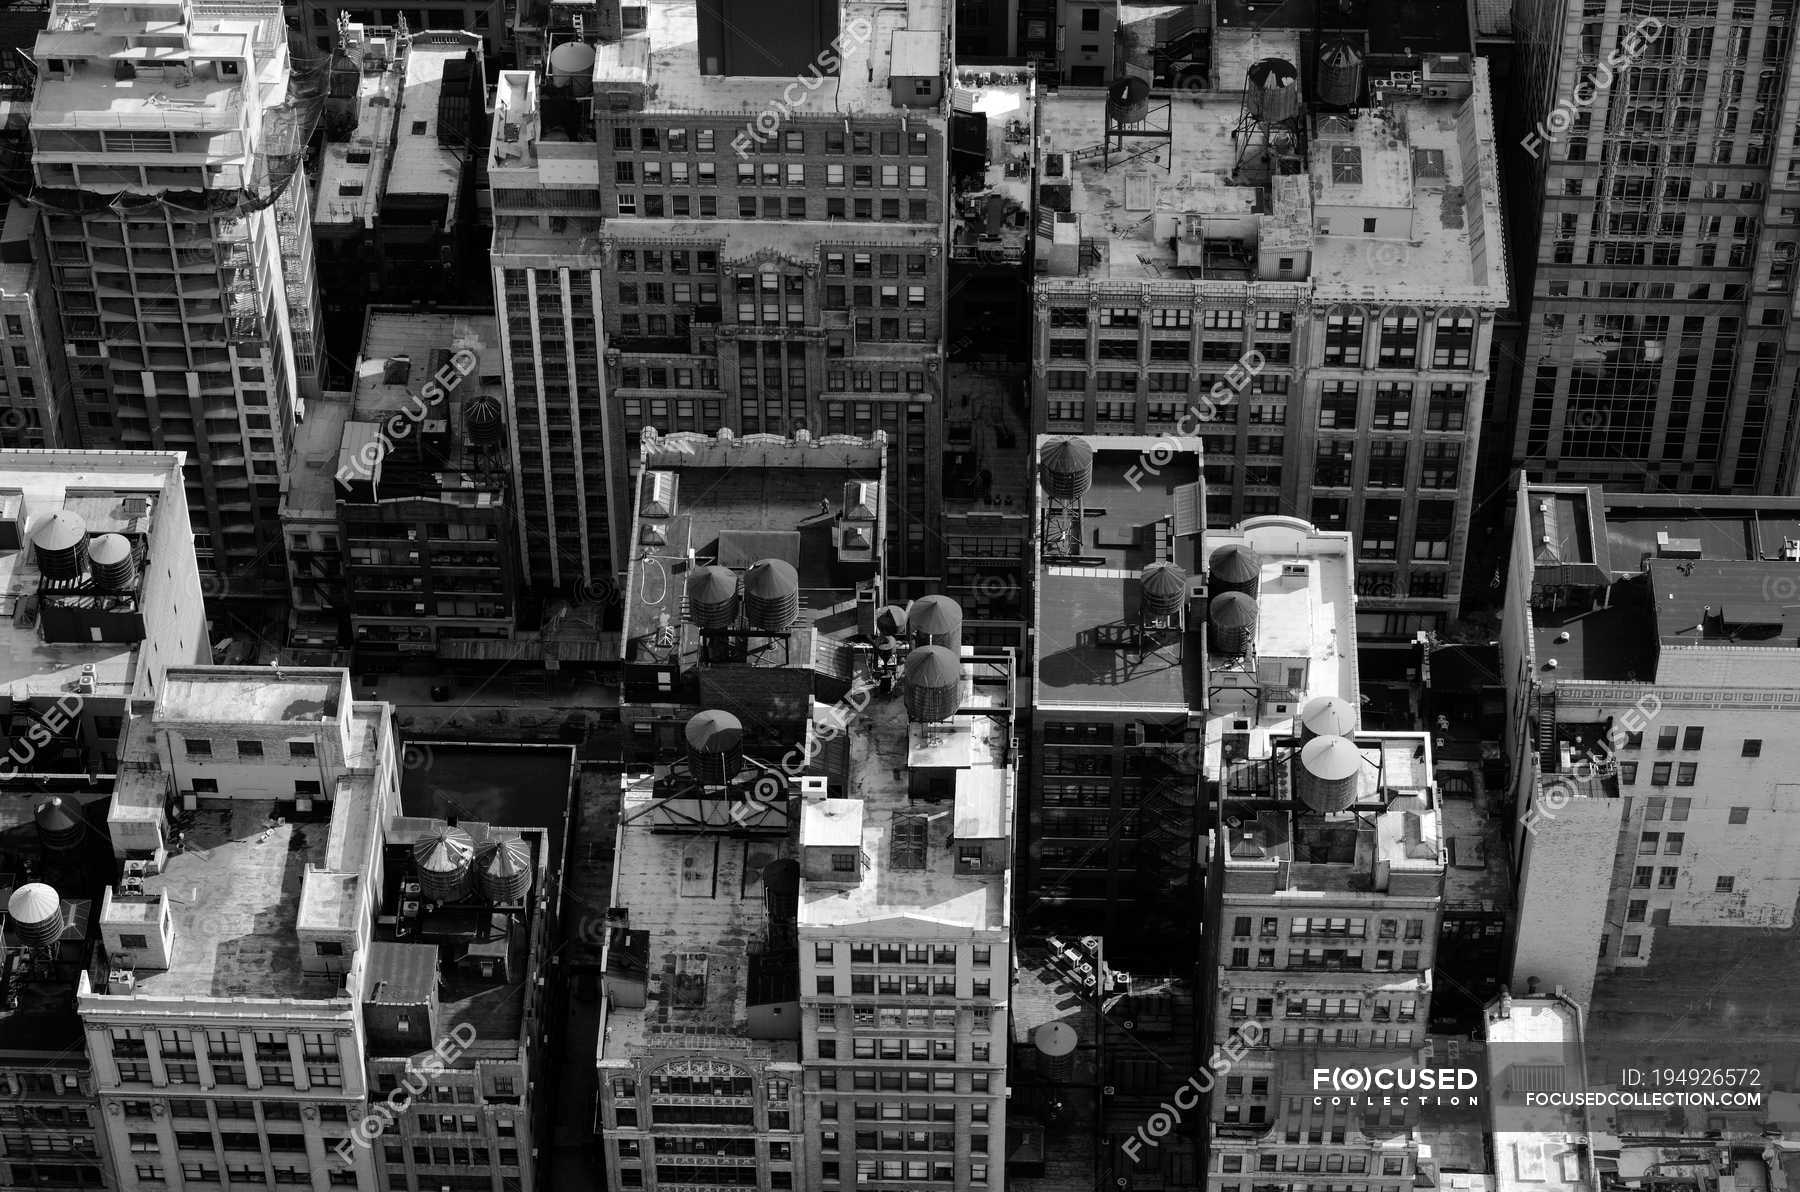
<point x="714" y="731"/>
<point x="934" y="615"/>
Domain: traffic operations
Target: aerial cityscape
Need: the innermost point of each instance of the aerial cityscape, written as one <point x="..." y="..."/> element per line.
<point x="899" y="596"/>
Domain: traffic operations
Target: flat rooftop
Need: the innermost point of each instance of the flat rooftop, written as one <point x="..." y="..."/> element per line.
<point x="859" y="88"/>
<point x="45" y="1022"/>
<point x="740" y="500"/>
<point x="1306" y="603"/>
<point x="97" y="485"/>
<point x="353" y="172"/>
<point x="1088" y="650"/>
<point x="313" y="459"/>
<point x="1393" y="26"/>
<point x="422" y="165"/>
<point x="883" y="748"/>
<point x="426" y="338"/>
<point x="240" y="881"/>
<point x="1536" y="1149"/>
<point x="1048" y="1120"/>
<point x="253" y="695"/>
<point x="993" y="221"/>
<point x="1337" y="852"/>
<point x="1430" y="163"/>
<point x="201" y="99"/>
<point x="1478" y="875"/>
<point x="700" y="899"/>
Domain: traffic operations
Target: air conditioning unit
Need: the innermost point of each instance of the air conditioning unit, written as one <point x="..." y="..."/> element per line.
<point x="189" y="801"/>
<point x="1296" y="570"/>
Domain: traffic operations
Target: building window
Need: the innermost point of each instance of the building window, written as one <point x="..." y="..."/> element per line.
<point x="1723" y="885"/>
<point x="1738" y="815"/>
<point x="1752" y="747"/>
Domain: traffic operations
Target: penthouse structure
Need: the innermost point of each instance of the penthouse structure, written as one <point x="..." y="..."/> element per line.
<point x="392" y="212"/>
<point x="1119" y="679"/>
<point x="905" y="927"/>
<point x="758" y="584"/>
<point x="412" y="478"/>
<point x="1649" y="661"/>
<point x="225" y="1027"/>
<point x="827" y="237"/>
<point x="1326" y="882"/>
<point x="1300" y="265"/>
<point x="166" y="146"/>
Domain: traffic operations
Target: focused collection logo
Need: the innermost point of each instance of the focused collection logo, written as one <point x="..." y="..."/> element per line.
<point x="1395" y="1086"/>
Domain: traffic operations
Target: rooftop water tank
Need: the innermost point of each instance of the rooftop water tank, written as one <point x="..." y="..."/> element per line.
<point x="1068" y="468"/>
<point x="713" y="597"/>
<point x="1272" y="91"/>
<point x="445" y="859"/>
<point x="36" y="912"/>
<point x="484" y="421"/>
<point x="1340" y="74"/>
<point x="572" y="65"/>
<point x="1327" y="716"/>
<point x="60" y="826"/>
<point x="1162" y="590"/>
<point x="890" y="620"/>
<point x="771" y="596"/>
<point x="1232" y="618"/>
<point x="1325" y="778"/>
<point x="1128" y="100"/>
<point x="715" y="747"/>
<point x="936" y="621"/>
<point x="504" y="872"/>
<point x="933" y="689"/>
<point x="60" y="542"/>
<point x="1234" y="568"/>
<point x="113" y="568"/>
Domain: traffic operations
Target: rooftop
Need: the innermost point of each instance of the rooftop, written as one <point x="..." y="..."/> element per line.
<point x="1394" y="27"/>
<point x="1088" y="650"/>
<point x="1394" y="826"/>
<point x="994" y="213"/>
<point x="860" y="85"/>
<point x="1306" y="605"/>
<point x="44" y="1020"/>
<point x="885" y="748"/>
<point x="1191" y="210"/>
<point x="700" y="902"/>
<point x="527" y="786"/>
<point x="736" y="501"/>
<point x="422" y="164"/>
<point x="243" y="883"/>
<point x="353" y="172"/>
<point x="98" y="485"/>
<point x="230" y="695"/>
<point x="493" y="1005"/>
<point x="180" y="87"/>
<point x="1477" y="875"/>
<point x="1536" y="1046"/>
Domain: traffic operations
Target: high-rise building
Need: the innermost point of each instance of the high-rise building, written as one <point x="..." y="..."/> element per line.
<point x="1118" y="696"/>
<point x="1325" y="887"/>
<point x="1650" y="671"/>
<point x="399" y="515"/>
<point x="37" y="407"/>
<point x="766" y="277"/>
<point x="1326" y="876"/>
<point x="905" y="930"/>
<point x="1654" y="181"/>
<point x="167" y="142"/>
<point x="393" y="211"/>
<point x="544" y="176"/>
<point x="225" y="1031"/>
<point x="1300" y="266"/>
